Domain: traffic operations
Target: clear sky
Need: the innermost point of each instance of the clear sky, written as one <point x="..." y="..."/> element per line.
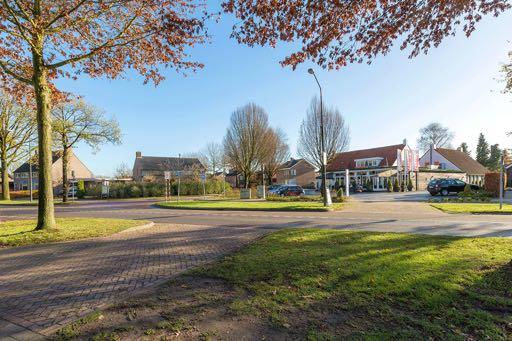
<point x="385" y="102"/>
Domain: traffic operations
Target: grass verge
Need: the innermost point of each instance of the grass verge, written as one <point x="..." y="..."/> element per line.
<point x="18" y="202"/>
<point x="237" y="205"/>
<point x="21" y="232"/>
<point x="320" y="284"/>
<point x="487" y="208"/>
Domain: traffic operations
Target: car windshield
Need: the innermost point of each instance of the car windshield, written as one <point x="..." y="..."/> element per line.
<point x="433" y="182"/>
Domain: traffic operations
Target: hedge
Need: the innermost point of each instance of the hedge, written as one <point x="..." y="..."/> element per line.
<point x="492" y="183"/>
<point x="147" y="189"/>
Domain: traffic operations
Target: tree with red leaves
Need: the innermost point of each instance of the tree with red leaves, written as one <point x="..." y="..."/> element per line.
<point x="334" y="33"/>
<point x="43" y="40"/>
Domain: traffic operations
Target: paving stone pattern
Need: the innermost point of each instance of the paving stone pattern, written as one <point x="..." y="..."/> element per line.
<point x="44" y="287"/>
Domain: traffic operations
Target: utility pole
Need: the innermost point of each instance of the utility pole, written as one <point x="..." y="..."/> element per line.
<point x="327" y="194"/>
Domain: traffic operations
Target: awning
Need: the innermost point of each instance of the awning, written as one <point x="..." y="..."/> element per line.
<point x="387" y="173"/>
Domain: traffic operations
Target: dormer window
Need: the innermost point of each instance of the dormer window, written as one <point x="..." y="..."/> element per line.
<point x="369" y="162"/>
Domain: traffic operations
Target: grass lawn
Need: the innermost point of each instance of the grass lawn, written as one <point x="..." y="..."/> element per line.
<point x="21" y="232"/>
<point x="235" y="205"/>
<point x="18" y="202"/>
<point x="321" y="284"/>
<point x="485" y="208"/>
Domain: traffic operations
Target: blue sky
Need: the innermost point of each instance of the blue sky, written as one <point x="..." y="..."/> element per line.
<point x="385" y="102"/>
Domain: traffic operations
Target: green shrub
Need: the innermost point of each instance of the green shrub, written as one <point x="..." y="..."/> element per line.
<point x="390" y="185"/>
<point x="369" y="185"/>
<point x="396" y="186"/>
<point x="409" y="185"/>
<point x="134" y="191"/>
<point x="93" y="191"/>
<point x="294" y="199"/>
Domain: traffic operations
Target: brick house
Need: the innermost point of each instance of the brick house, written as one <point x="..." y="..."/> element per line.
<point x="445" y="159"/>
<point x="76" y="168"/>
<point x="296" y="172"/>
<point x="152" y="168"/>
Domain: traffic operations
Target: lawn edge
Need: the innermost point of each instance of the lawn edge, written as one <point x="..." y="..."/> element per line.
<point x="146" y="290"/>
<point x="468" y="213"/>
<point x="148" y="224"/>
<point x="328" y="209"/>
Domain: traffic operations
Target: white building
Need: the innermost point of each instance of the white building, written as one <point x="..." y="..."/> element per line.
<point x="454" y="160"/>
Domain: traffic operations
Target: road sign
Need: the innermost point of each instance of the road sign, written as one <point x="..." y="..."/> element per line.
<point x="178" y="173"/>
<point x="203" y="177"/>
<point x="167" y="175"/>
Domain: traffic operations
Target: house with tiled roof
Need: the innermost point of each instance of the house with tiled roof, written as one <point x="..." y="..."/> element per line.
<point x="454" y="160"/>
<point x="377" y="165"/>
<point x="296" y="172"/>
<point x="152" y="168"/>
<point x="77" y="170"/>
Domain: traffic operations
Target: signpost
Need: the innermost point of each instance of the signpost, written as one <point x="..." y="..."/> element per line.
<point x="203" y="179"/>
<point x="167" y="175"/>
<point x="178" y="175"/>
<point x="73" y="186"/>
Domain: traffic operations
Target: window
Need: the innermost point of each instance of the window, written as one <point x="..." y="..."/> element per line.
<point x="293" y="172"/>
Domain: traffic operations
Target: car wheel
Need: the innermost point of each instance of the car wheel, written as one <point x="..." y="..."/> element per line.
<point x="444" y="192"/>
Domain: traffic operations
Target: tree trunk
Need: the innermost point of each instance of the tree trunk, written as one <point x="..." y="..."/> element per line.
<point x="5" y="177"/>
<point x="46" y="214"/>
<point x="65" y="181"/>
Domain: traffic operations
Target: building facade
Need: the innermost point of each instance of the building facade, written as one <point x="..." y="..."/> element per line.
<point x="374" y="165"/>
<point x="296" y="172"/>
<point x="153" y="168"/>
<point x="444" y="159"/>
<point x="77" y="170"/>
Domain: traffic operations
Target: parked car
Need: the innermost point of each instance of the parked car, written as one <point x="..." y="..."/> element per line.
<point x="274" y="189"/>
<point x="288" y="191"/>
<point x="447" y="186"/>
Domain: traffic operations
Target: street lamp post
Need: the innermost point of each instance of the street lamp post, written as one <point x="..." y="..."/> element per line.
<point x="327" y="194"/>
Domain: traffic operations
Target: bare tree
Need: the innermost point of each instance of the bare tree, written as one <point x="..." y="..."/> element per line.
<point x="17" y="127"/>
<point x="245" y="139"/>
<point x="123" y="171"/>
<point x="212" y="157"/>
<point x="276" y="152"/>
<point x="434" y="134"/>
<point x="336" y="134"/>
<point x="76" y="121"/>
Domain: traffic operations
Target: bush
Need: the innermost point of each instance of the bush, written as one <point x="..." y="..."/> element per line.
<point x="94" y="191"/>
<point x="410" y="185"/>
<point x="23" y="194"/>
<point x="389" y="185"/>
<point x="80" y="191"/>
<point x="396" y="186"/>
<point x="294" y="199"/>
<point x="492" y="183"/>
<point x="369" y="185"/>
<point x="134" y="191"/>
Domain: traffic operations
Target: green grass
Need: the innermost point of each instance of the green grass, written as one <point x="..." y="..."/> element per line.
<point x="18" y="202"/>
<point x="486" y="208"/>
<point x="364" y="285"/>
<point x="21" y="232"/>
<point x="236" y="205"/>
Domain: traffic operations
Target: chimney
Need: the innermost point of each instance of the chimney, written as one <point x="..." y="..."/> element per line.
<point x="459" y="149"/>
<point x="138" y="155"/>
<point x="405" y="142"/>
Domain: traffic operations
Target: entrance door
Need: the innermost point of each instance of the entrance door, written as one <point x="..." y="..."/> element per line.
<point x="379" y="183"/>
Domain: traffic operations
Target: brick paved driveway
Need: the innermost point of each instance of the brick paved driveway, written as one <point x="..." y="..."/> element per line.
<point x="46" y="286"/>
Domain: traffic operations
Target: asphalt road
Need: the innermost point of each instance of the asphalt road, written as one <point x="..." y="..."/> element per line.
<point x="385" y="212"/>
